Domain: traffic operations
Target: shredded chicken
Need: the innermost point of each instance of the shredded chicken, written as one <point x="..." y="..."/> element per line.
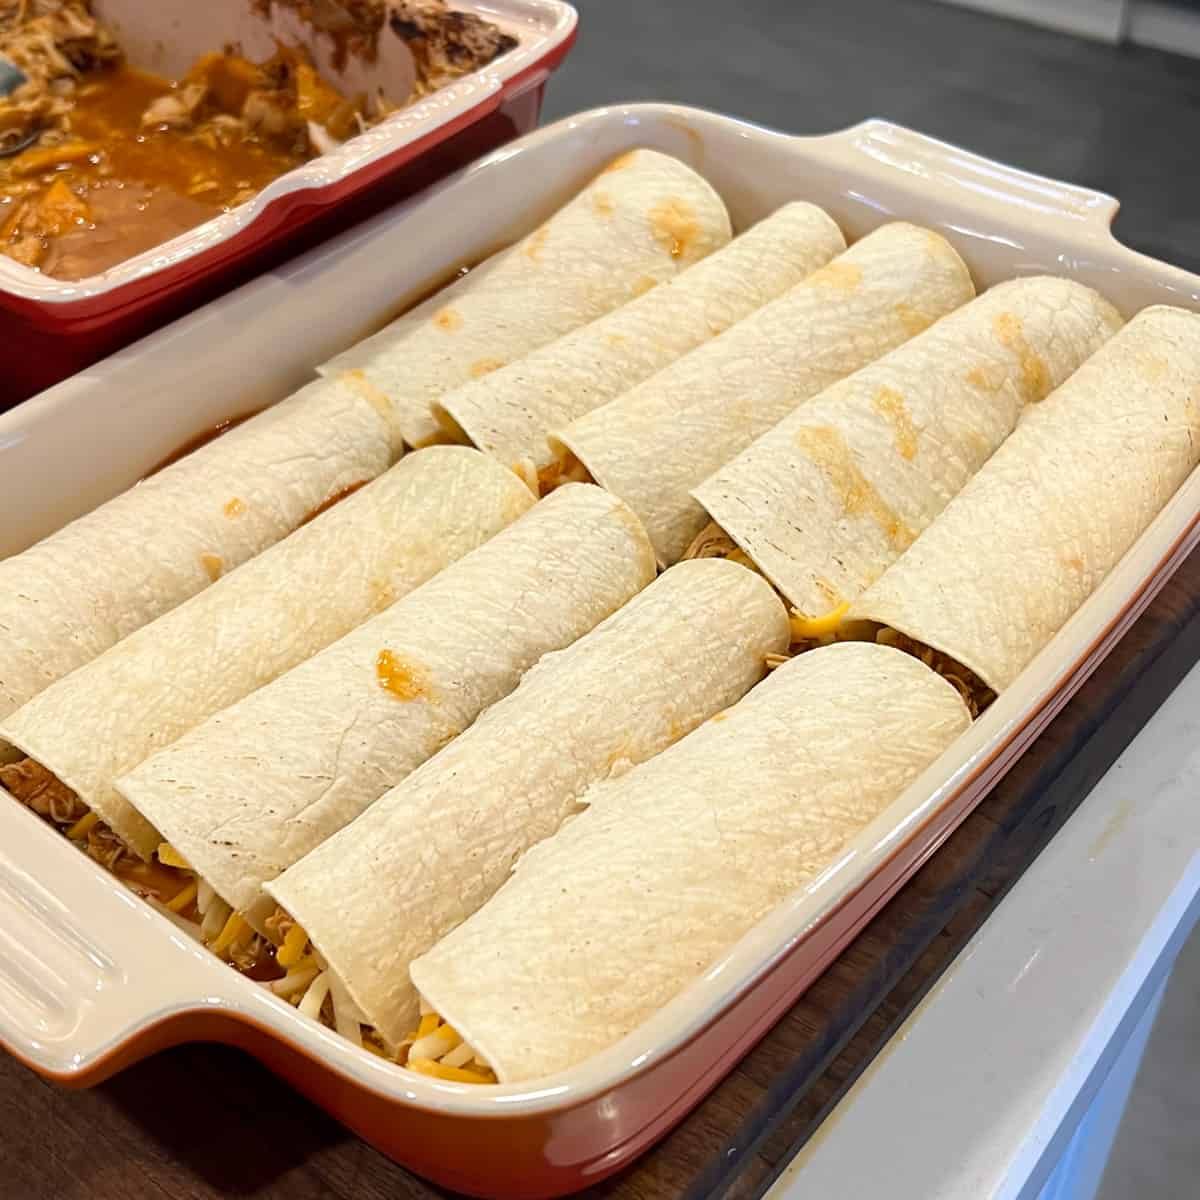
<point x="713" y="542"/>
<point x="53" y="42"/>
<point x="43" y="792"/>
<point x="973" y="690"/>
<point x="445" y="44"/>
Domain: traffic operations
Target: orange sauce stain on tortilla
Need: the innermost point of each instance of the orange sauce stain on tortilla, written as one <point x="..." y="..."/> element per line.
<point x="644" y="285"/>
<point x="234" y="507"/>
<point x="1074" y="562"/>
<point x="826" y="449"/>
<point x="213" y="565"/>
<point x="1035" y="378"/>
<point x="913" y="320"/>
<point x="383" y="594"/>
<point x="1154" y="368"/>
<point x="889" y="404"/>
<point x="619" y="164"/>
<point x="603" y="205"/>
<point x="674" y="224"/>
<point x="485" y="366"/>
<point x="357" y="381"/>
<point x="402" y="680"/>
<point x="977" y="377"/>
<point x="334" y="498"/>
<point x="535" y="242"/>
<point x="447" y="320"/>
<point x="723" y="715"/>
<point x="839" y="276"/>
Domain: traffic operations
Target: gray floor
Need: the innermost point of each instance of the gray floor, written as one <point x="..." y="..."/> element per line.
<point x="1123" y="120"/>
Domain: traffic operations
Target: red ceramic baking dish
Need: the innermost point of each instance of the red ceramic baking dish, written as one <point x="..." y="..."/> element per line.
<point x="92" y="979"/>
<point x="51" y="328"/>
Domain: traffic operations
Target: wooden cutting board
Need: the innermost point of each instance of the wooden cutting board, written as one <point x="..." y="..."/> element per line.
<point x="201" y="1122"/>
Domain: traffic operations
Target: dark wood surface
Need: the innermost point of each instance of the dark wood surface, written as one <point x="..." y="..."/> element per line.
<point x="202" y="1122"/>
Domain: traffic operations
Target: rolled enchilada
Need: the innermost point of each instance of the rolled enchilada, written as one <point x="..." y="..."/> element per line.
<point x="655" y="443"/>
<point x="437" y="846"/>
<point x="251" y="626"/>
<point x="826" y="501"/>
<point x="640" y="222"/>
<point x="1033" y="534"/>
<point x="510" y="412"/>
<point x="671" y="864"/>
<point x="260" y="784"/>
<point x="80" y="590"/>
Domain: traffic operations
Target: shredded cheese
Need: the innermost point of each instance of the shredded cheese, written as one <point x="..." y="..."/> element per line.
<point x="183" y="897"/>
<point x="292" y="950"/>
<point x="294" y="982"/>
<point x="426" y="1066"/>
<point x="345" y="1020"/>
<point x="436" y="1044"/>
<point x="815" y="629"/>
<point x="205" y="896"/>
<point x="214" y="919"/>
<point x="314" y="998"/>
<point x="459" y="1056"/>
<point x="438" y="1049"/>
<point x="233" y="932"/>
<point x="83" y="826"/>
<point x="170" y="857"/>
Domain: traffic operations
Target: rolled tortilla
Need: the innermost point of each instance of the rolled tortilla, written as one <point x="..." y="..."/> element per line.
<point x="654" y="444"/>
<point x="670" y="865"/>
<point x="827" y="500"/>
<point x="80" y="590"/>
<point x="640" y="222"/>
<point x="259" y="785"/>
<point x="260" y="621"/>
<point x="1020" y="548"/>
<point x="510" y="412"/>
<point x="434" y="849"/>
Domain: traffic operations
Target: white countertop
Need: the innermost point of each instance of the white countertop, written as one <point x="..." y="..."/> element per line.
<point x="979" y="1091"/>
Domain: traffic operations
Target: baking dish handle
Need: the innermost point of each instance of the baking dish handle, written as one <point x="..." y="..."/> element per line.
<point x="76" y="989"/>
<point x="880" y="148"/>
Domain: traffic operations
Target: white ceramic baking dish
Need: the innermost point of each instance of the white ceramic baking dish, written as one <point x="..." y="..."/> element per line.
<point x="91" y="978"/>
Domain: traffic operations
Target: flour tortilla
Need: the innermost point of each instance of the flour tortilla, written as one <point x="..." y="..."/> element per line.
<point x="670" y="865"/>
<point x="436" y="847"/>
<point x="637" y="224"/>
<point x="654" y="444"/>
<point x="827" y="500"/>
<point x="510" y="412"/>
<point x="80" y="590"/>
<point x="258" y="622"/>
<point x="259" y="785"/>
<point x="1020" y="548"/>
